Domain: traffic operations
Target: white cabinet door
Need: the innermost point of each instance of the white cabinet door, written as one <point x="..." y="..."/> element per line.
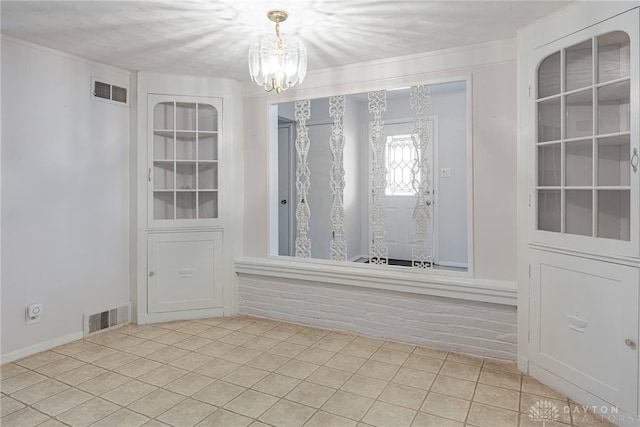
<point x="184" y="271"/>
<point x="584" y="324"/>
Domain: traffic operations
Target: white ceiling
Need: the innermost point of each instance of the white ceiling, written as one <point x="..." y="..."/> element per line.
<point x="211" y="37"/>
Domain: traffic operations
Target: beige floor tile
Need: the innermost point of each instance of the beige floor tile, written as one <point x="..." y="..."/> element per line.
<point x="122" y="417"/>
<point x="191" y="361"/>
<point x="401" y="395"/>
<point x="162" y="375"/>
<point x="497" y="396"/>
<point x="193" y="328"/>
<point x="39" y="391"/>
<point x="115" y="361"/>
<point x="489" y="416"/>
<point x="460" y="370"/>
<point x="189" y="384"/>
<point x="500" y="379"/>
<point x="146" y="348"/>
<point x="315" y="355"/>
<point x="124" y="343"/>
<point x="331" y="344"/>
<point x="373" y="342"/>
<point x="399" y="346"/>
<point x="235" y="324"/>
<point x="240" y="355"/>
<point x="359" y="350"/>
<point x="287" y="414"/>
<point x="329" y="377"/>
<point x="423" y="363"/>
<point x="278" y="333"/>
<point x="501" y="365"/>
<point x="251" y="403"/>
<point x="167" y="354"/>
<point x="103" y="337"/>
<point x="138" y="368"/>
<point x="276" y="384"/>
<point x="446" y="406"/>
<point x="453" y="387"/>
<point x="297" y="369"/>
<point x="245" y="376"/>
<point x="62" y="402"/>
<point x="325" y="419"/>
<point x="39" y="359"/>
<point x="428" y="420"/>
<point x="348" y="405"/>
<point x="171" y="338"/>
<point x="380" y="370"/>
<point x="20" y="381"/>
<point x="59" y="367"/>
<point x="467" y="359"/>
<point x="267" y="361"/>
<point x="192" y="343"/>
<point x="261" y="343"/>
<point x="287" y="349"/>
<point x="52" y="422"/>
<point x="364" y="386"/>
<point x="310" y="394"/>
<point x="128" y="392"/>
<point x="217" y="368"/>
<point x="76" y="347"/>
<point x="150" y="333"/>
<point x="187" y="413"/>
<point x="215" y="333"/>
<point x="88" y="412"/>
<point x="342" y="335"/>
<point x="304" y="338"/>
<point x="156" y="403"/>
<point x="9" y="370"/>
<point x="26" y="417"/>
<point x="256" y="328"/>
<point x="224" y="418"/>
<point x="346" y="362"/>
<point x="384" y="414"/>
<point x="532" y="386"/>
<point x="434" y="353"/>
<point x="216" y="349"/>
<point x="94" y="354"/>
<point x="9" y="406"/>
<point x="237" y="338"/>
<point x="219" y="393"/>
<point x="80" y="375"/>
<point x="390" y="356"/>
<point x="414" y="378"/>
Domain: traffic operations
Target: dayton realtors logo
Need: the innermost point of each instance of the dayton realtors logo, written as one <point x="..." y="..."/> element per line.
<point x="544" y="411"/>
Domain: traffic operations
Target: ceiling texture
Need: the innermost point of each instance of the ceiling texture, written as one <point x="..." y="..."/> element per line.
<point x="212" y="37"/>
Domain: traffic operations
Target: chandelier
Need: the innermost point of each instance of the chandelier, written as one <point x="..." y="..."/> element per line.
<point x="277" y="63"/>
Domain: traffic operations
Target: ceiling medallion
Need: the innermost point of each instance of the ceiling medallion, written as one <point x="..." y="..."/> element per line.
<point x="277" y="63"/>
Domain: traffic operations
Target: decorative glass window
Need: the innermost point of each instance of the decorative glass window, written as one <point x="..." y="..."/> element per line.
<point x="400" y="159"/>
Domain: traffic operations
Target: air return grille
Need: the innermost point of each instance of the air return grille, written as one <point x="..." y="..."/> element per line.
<point x="105" y="319"/>
<point x="108" y="92"/>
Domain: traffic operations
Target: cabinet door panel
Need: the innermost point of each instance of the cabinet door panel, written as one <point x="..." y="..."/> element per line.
<point x="184" y="271"/>
<point x="582" y="312"/>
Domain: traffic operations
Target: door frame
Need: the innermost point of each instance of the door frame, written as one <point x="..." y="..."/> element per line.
<point x="284" y="123"/>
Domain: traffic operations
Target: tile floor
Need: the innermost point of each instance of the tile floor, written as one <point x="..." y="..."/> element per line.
<point x="243" y="370"/>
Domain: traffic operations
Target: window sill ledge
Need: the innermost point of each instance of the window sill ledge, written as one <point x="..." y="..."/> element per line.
<point x="397" y="279"/>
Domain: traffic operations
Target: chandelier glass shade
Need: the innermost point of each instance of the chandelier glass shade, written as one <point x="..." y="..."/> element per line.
<point x="277" y="63"/>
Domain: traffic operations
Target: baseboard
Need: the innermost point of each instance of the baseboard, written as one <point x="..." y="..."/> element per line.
<point x="37" y="348"/>
<point x="144" y="318"/>
<point x="523" y="364"/>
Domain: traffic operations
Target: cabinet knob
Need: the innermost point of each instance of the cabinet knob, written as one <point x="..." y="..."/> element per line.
<point x="151" y="273"/>
<point x="630" y="343"/>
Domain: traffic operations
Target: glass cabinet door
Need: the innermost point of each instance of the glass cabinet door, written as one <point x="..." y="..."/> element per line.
<point x="586" y="141"/>
<point x="184" y="160"/>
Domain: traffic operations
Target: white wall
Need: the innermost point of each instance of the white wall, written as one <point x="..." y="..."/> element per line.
<point x="65" y="196"/>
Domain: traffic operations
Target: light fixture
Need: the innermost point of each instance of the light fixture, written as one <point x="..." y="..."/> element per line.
<point x="277" y="63"/>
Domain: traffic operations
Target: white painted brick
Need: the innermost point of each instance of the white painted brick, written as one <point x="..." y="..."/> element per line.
<point x="472" y="327"/>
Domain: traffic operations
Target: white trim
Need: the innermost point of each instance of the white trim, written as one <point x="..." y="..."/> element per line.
<point x="144" y="318"/>
<point x="616" y="259"/>
<point x="399" y="279"/>
<point x="37" y="348"/>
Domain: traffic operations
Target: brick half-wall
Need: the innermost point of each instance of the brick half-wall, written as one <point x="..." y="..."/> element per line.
<point x="484" y="329"/>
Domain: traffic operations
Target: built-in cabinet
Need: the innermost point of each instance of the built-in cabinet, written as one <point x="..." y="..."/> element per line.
<point x="582" y="233"/>
<point x="184" y="226"/>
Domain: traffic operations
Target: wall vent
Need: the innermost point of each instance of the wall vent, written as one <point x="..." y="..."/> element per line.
<point x="102" y="91"/>
<point x="93" y="323"/>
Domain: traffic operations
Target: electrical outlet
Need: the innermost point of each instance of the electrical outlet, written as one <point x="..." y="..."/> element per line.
<point x="445" y="172"/>
<point x="32" y="314"/>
